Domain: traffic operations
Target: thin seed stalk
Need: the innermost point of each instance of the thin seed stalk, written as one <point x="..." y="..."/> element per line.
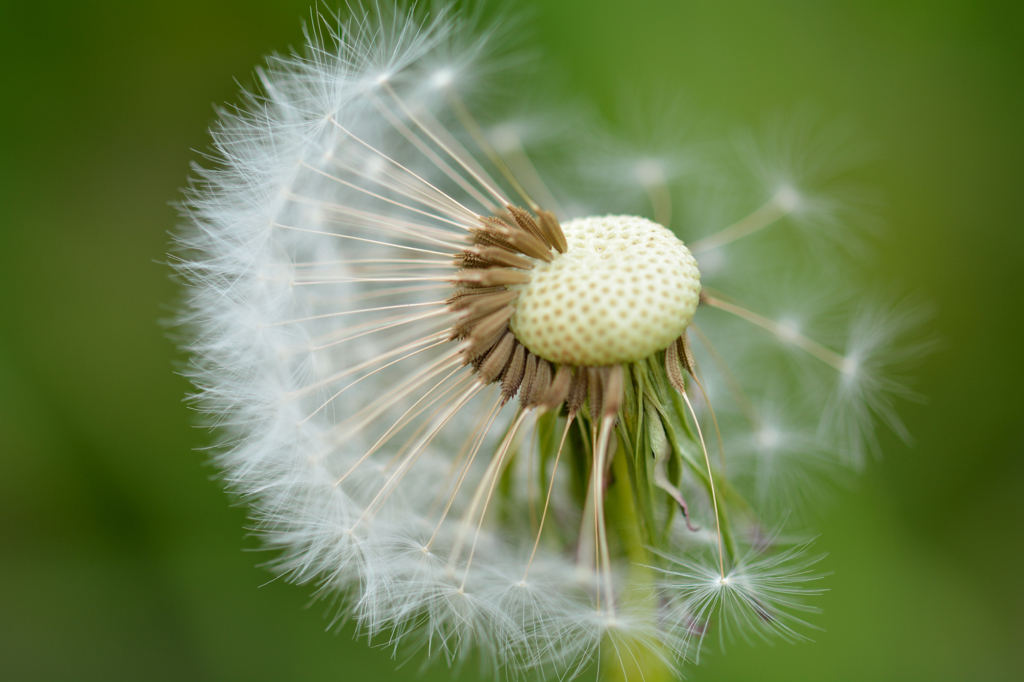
<point x="629" y="659"/>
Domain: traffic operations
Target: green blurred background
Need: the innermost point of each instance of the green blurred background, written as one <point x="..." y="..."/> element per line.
<point x="121" y="558"/>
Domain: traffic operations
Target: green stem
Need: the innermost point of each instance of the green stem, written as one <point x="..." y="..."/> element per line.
<point x="628" y="659"/>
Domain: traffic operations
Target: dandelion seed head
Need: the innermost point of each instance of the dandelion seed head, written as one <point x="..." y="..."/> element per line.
<point x="625" y="288"/>
<point x="465" y="414"/>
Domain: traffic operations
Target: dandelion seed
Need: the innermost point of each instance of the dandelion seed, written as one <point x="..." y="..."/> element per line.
<point x="479" y="418"/>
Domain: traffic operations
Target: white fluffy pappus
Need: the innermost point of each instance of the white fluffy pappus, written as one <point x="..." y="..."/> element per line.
<point x="354" y="203"/>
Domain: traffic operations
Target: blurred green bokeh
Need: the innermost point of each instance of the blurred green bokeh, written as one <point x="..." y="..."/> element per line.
<point x="121" y="556"/>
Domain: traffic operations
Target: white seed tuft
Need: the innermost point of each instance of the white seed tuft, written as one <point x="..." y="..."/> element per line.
<point x="374" y="459"/>
<point x="625" y="289"/>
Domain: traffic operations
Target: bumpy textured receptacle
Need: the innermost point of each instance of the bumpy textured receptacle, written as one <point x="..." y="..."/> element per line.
<point x="624" y="289"/>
